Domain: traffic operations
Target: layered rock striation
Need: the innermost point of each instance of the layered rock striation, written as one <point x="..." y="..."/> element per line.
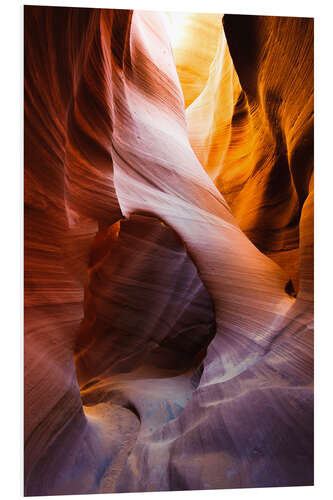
<point x="168" y="252"/>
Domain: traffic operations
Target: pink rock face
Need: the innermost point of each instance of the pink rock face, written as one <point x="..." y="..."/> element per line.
<point x="168" y="253"/>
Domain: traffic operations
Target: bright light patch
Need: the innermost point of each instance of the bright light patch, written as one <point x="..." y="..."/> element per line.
<point x="176" y="26"/>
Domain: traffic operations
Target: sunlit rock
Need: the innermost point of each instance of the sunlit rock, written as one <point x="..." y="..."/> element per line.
<point x="168" y="251"/>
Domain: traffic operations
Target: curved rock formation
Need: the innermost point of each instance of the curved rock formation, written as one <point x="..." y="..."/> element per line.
<point x="255" y="137"/>
<point x="169" y="253"/>
<point x="194" y="40"/>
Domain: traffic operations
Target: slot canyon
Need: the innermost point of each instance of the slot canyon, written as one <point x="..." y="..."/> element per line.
<point x="168" y="194"/>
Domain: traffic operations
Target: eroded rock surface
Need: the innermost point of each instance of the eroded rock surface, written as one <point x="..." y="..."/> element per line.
<point x="168" y="252"/>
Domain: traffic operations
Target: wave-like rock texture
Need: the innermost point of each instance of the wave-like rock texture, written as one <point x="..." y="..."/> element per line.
<point x="168" y="253"/>
<point x="255" y="138"/>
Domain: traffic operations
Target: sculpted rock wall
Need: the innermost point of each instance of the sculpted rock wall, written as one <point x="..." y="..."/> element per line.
<point x="194" y="40"/>
<point x="164" y="349"/>
<point x="254" y="137"/>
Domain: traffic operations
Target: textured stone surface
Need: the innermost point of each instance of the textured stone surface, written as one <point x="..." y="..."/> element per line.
<point x="168" y="252"/>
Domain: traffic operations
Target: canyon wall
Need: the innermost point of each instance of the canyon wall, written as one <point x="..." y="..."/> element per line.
<point x="168" y="252"/>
